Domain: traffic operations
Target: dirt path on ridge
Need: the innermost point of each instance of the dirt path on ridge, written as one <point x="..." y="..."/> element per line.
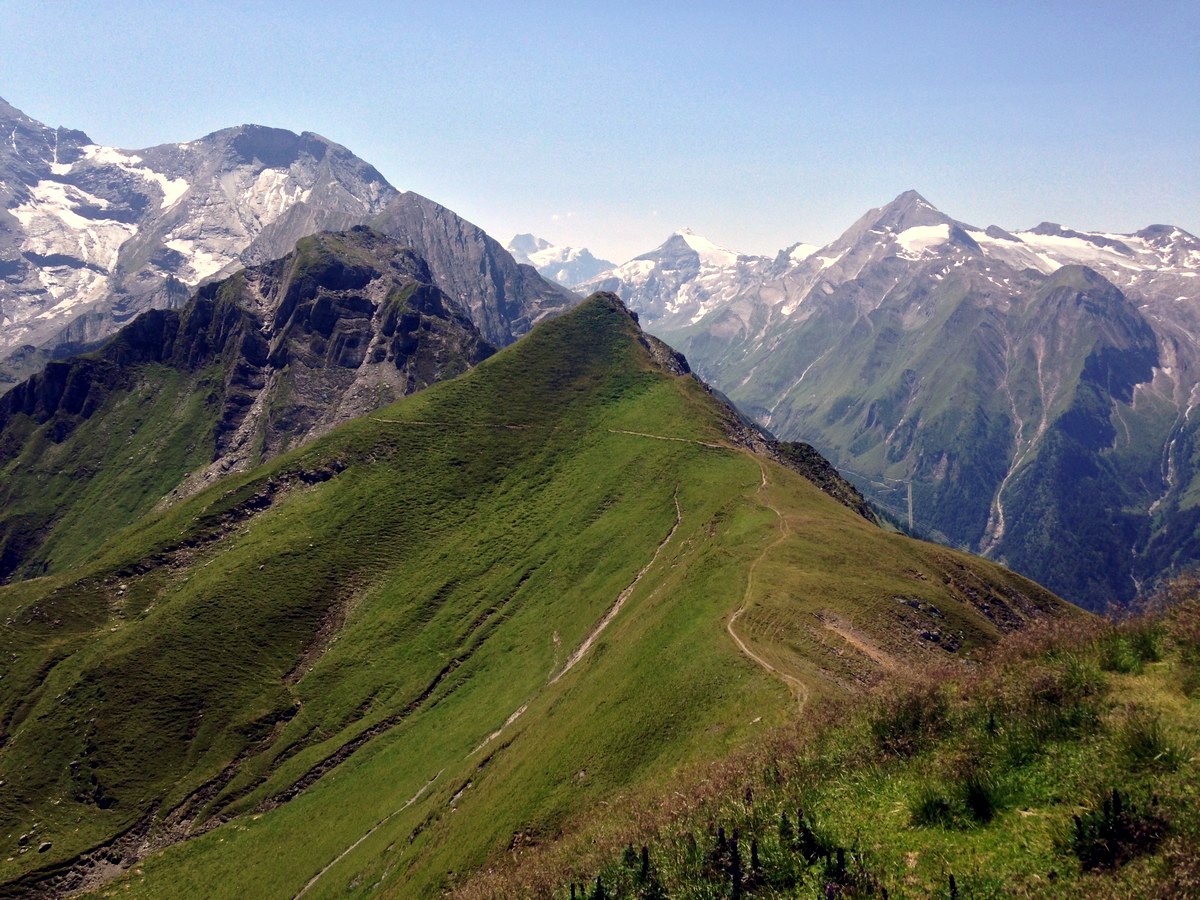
<point x="604" y="622"/>
<point x="662" y="437"/>
<point x="579" y="652"/>
<point x="867" y="649"/>
<point x="797" y="687"/>
<point x="508" y="425"/>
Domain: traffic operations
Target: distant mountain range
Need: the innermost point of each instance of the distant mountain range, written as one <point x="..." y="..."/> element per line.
<point x="1034" y="390"/>
<point x="91" y="235"/>
<point x="681" y="279"/>
<point x="565" y="265"/>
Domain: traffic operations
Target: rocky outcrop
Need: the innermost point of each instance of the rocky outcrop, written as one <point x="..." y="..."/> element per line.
<point x="504" y="299"/>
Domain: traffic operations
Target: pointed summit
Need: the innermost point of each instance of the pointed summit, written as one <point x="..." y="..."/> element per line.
<point x="524" y="246"/>
<point x="567" y="266"/>
<point x="906" y="227"/>
<point x="685" y="240"/>
<point x="908" y="210"/>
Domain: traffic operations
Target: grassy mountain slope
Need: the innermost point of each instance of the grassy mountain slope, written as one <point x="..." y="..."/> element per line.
<point x="1064" y="765"/>
<point x="63" y="494"/>
<point x="250" y="367"/>
<point x="448" y="627"/>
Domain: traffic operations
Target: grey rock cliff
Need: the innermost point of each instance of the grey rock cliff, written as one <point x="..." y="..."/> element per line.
<point x="92" y="235"/>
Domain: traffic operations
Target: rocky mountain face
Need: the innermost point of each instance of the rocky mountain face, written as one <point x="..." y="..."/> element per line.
<point x="1027" y="395"/>
<point x="503" y="298"/>
<point x="250" y="367"/>
<point x="567" y="266"/>
<point x="92" y="235"/>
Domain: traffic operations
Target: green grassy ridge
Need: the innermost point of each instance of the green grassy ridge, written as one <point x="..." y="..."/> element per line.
<point x="500" y="399"/>
<point x="1002" y="776"/>
<point x="459" y="561"/>
<point x="619" y="720"/>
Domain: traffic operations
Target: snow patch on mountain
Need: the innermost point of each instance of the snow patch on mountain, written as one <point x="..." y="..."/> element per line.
<point x="86" y="245"/>
<point x="917" y="240"/>
<point x="800" y="252"/>
<point x="109" y="156"/>
<point x="551" y="254"/>
<point x="172" y="188"/>
<point x="271" y="194"/>
<point x="568" y="266"/>
<point x="1064" y="248"/>
<point x="201" y="260"/>
<point x="1014" y="253"/>
<point x="710" y="254"/>
<point x="76" y="252"/>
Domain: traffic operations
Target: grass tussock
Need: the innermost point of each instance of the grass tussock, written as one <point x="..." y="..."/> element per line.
<point x="1062" y="763"/>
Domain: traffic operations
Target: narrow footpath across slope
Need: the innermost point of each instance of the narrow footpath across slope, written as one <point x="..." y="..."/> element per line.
<point x="796" y="686"/>
<point x="576" y="656"/>
<point x="411" y="800"/>
<point x="579" y="652"/>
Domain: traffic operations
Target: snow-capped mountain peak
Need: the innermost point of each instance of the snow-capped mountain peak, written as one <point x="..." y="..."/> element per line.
<point x="91" y="226"/>
<point x="710" y="254"/>
<point x="523" y="246"/>
<point x="908" y="210"/>
<point x="568" y="266"/>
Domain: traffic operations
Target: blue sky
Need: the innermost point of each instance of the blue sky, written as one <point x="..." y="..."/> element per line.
<point x="610" y="125"/>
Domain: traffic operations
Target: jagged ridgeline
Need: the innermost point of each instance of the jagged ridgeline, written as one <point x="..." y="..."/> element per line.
<point x="252" y="366"/>
<point x="448" y="627"/>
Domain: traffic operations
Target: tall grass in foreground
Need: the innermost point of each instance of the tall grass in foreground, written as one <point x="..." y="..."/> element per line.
<point x="1062" y="763"/>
